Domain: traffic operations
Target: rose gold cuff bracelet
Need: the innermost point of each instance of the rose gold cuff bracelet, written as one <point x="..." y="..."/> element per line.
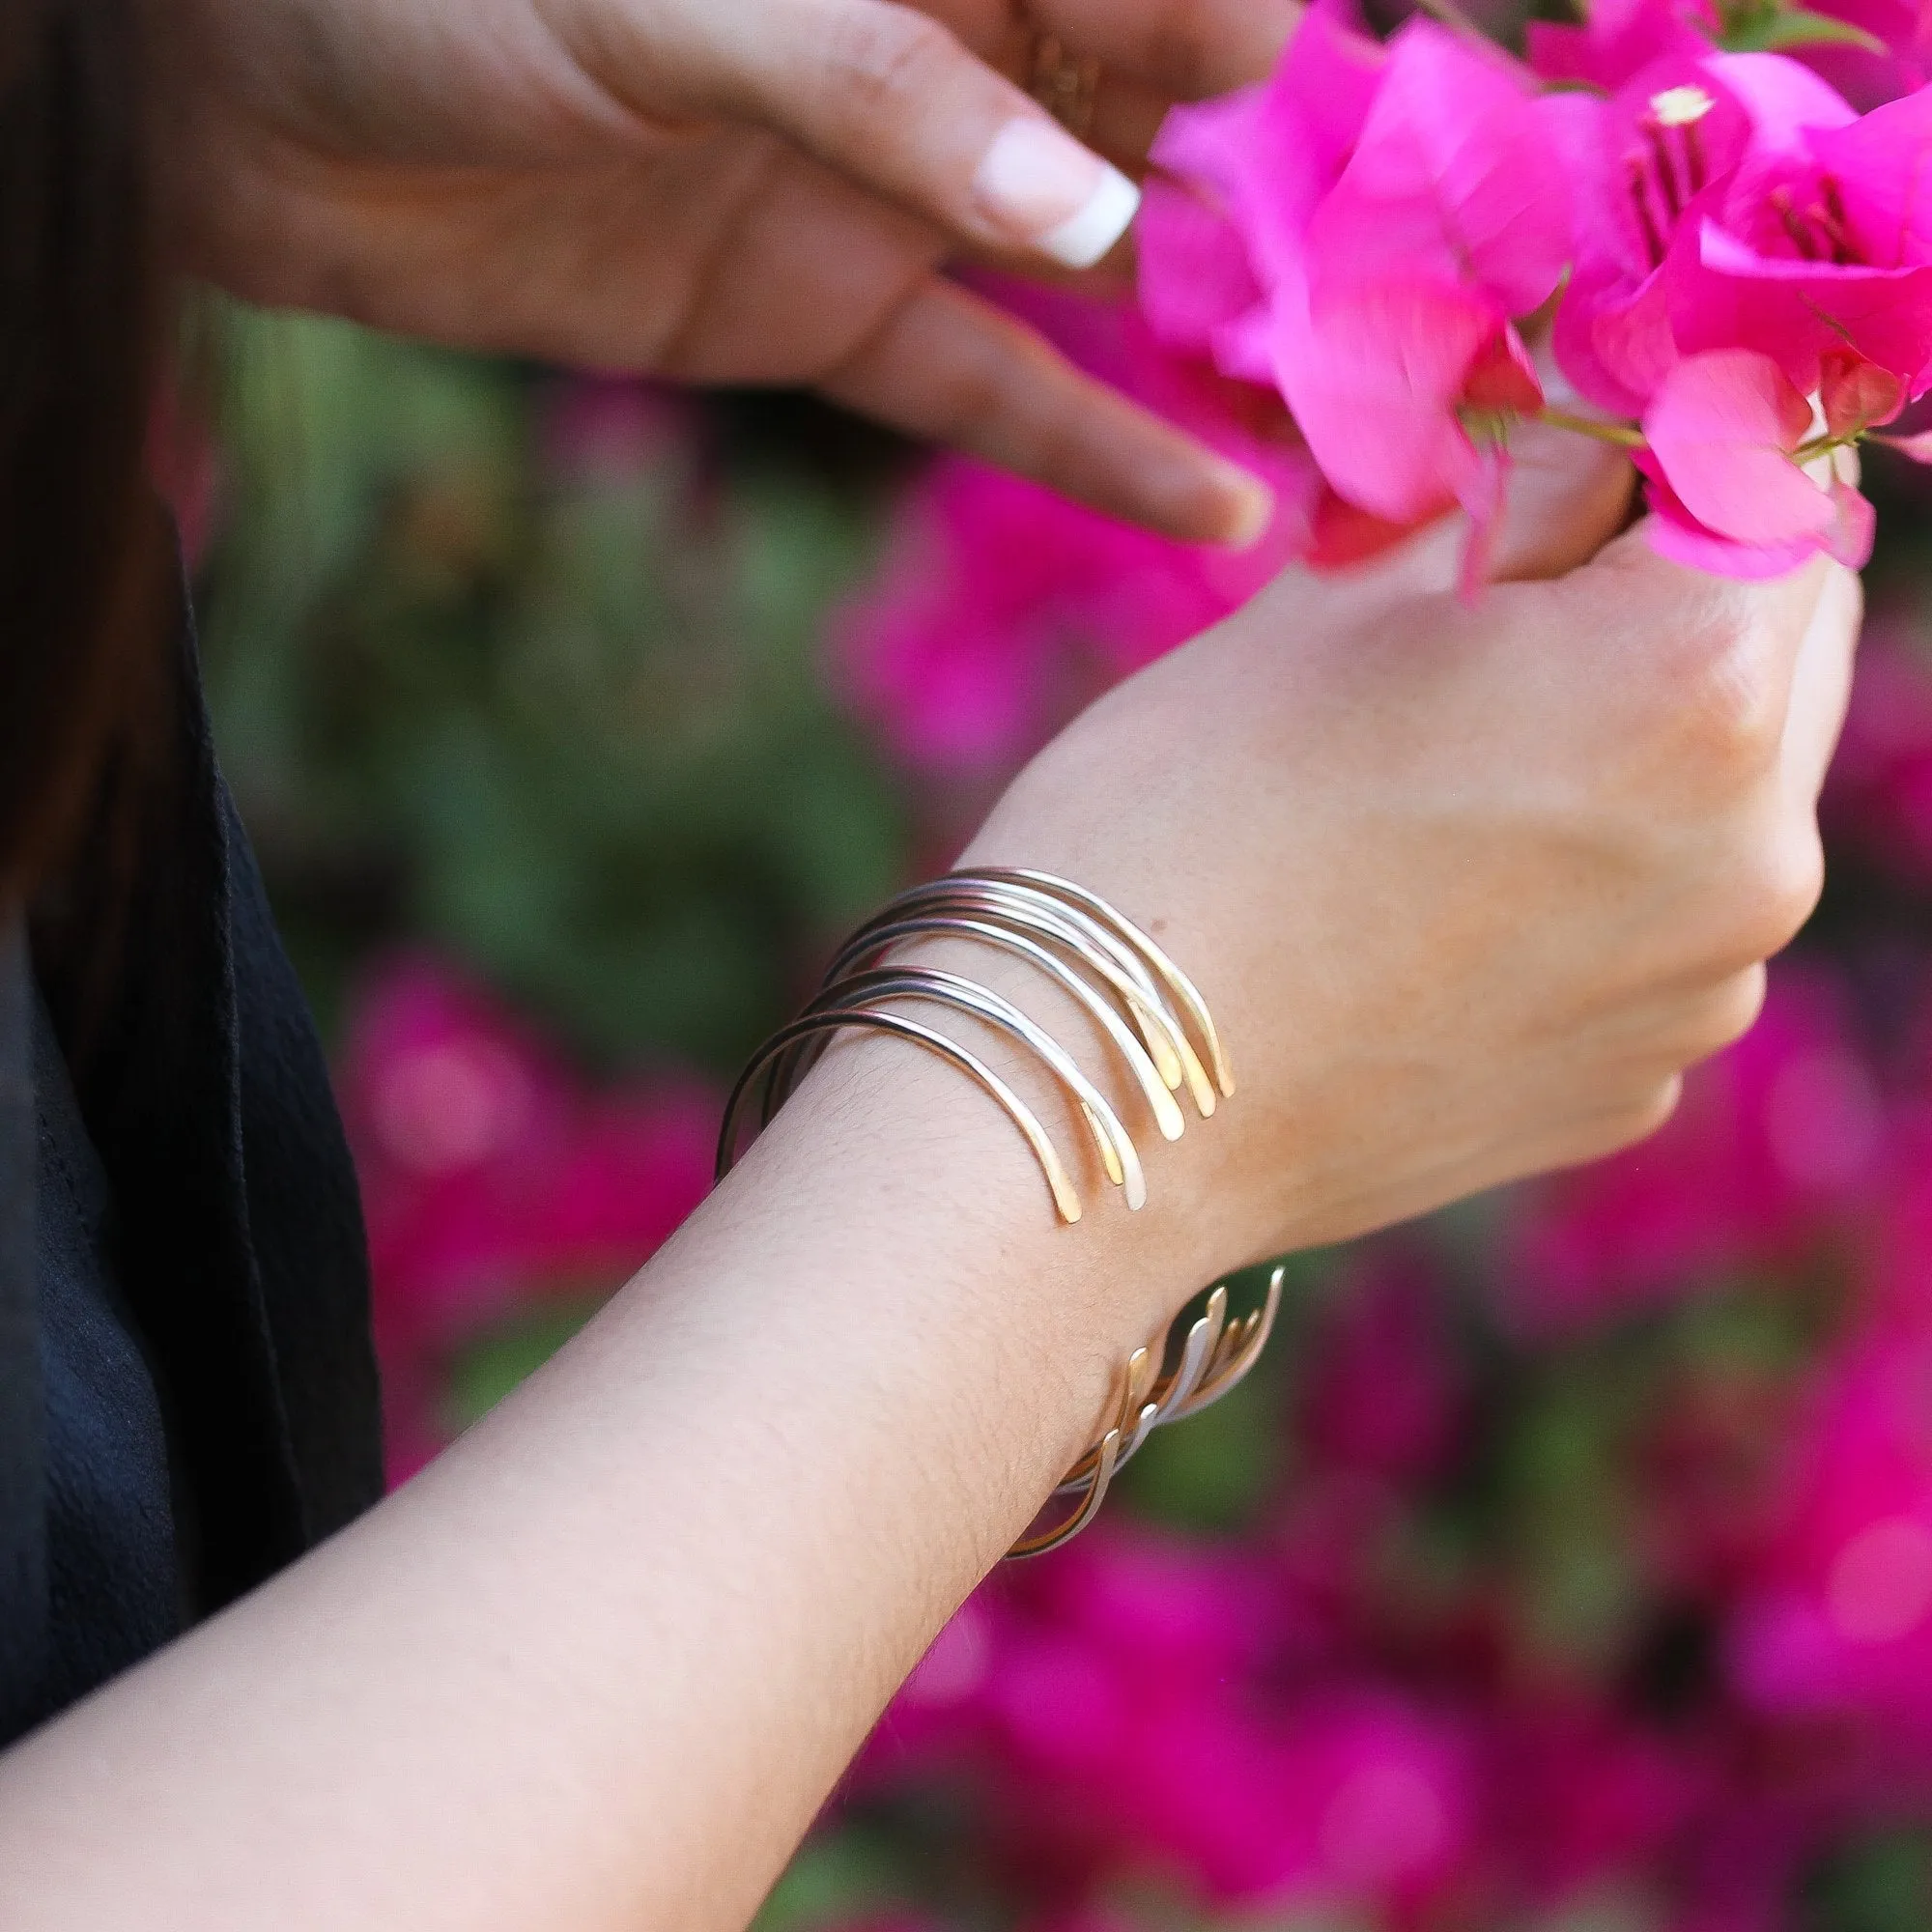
<point x="1156" y="1023"/>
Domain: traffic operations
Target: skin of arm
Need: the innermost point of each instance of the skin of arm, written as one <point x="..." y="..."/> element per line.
<point x="599" y="1665"/>
<point x="1466" y="890"/>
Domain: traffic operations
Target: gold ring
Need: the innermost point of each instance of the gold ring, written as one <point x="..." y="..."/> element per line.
<point x="1064" y="83"/>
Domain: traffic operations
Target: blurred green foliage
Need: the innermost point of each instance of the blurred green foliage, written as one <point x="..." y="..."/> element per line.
<point x="479" y="684"/>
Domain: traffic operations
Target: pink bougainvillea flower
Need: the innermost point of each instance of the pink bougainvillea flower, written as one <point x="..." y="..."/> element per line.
<point x="1255" y="167"/>
<point x="1392" y="336"/>
<point x="1395" y="212"/>
<point x="490" y="1178"/>
<point x="1618" y="41"/>
<point x="1367" y="230"/>
<point x="1714" y="203"/>
<point x="1729" y="488"/>
<point x="1644" y="163"/>
<point x="1449" y="182"/>
<point x="1198" y="290"/>
<point x="1723" y="428"/>
<point x="1822" y="241"/>
<point x="1674" y="532"/>
<point x="1782" y="1137"/>
<point x="1388" y="380"/>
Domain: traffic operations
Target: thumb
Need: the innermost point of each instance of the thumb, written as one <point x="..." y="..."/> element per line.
<point x="896" y="104"/>
<point x="1569" y="496"/>
<point x="1568" y="492"/>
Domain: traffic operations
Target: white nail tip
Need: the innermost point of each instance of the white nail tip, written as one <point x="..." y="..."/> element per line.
<point x="1082" y="239"/>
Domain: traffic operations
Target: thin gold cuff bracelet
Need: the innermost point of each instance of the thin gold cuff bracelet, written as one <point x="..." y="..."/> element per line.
<point x="1155" y="1019"/>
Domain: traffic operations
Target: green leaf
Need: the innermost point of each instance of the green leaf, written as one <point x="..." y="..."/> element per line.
<point x="1775" y="29"/>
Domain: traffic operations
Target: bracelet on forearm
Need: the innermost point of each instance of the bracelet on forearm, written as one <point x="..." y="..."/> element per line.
<point x="1157" y="1023"/>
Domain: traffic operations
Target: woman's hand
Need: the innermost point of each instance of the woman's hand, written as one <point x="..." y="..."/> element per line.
<point x="1467" y="888"/>
<point x="713" y="190"/>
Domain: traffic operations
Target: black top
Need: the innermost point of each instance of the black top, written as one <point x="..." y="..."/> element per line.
<point x="188" y="1396"/>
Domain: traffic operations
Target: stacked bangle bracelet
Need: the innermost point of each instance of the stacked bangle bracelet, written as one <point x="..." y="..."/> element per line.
<point x="1159" y="1027"/>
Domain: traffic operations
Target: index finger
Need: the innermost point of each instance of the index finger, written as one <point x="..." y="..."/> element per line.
<point x="949" y="367"/>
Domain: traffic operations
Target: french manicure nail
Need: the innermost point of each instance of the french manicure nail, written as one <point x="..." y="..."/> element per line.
<point x="1048" y="191"/>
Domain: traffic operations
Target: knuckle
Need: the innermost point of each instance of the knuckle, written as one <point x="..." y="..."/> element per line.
<point x="1725" y="1014"/>
<point x="1644" y="1115"/>
<point x="1627" y="1117"/>
<point x="1774" y="893"/>
<point x="1723" y="714"/>
<point x="886" y="58"/>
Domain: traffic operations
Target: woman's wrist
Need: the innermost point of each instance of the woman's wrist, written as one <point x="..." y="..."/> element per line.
<point x="1151" y="1027"/>
<point x="895" y="1158"/>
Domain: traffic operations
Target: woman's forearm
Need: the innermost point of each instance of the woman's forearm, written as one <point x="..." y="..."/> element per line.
<point x="600" y="1665"/>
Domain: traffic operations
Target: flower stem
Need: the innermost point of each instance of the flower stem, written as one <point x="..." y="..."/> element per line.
<point x="1450" y="14"/>
<point x="1622" y="435"/>
<point x="1822" y="445"/>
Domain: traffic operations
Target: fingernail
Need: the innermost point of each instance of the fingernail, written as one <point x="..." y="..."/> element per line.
<point x="1251" y="508"/>
<point x="1040" y="184"/>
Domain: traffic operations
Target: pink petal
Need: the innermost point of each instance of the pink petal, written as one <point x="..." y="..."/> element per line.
<point x="1629" y="141"/>
<point x="1502" y="377"/>
<point x="1450" y="178"/>
<point x="1374" y="380"/>
<point x="1683" y="540"/>
<point x="1194" y="272"/>
<point x="1619" y="38"/>
<point x="1722" y="429"/>
<point x="1783" y="98"/>
<point x="1484" y="498"/>
<point x="1854" y="528"/>
<point x="1269" y="153"/>
<point x="1342" y="534"/>
<point x="1883" y="166"/>
<point x="1798" y="311"/>
<point x="1613" y="336"/>
<point x="1613" y="341"/>
<point x="1919" y="447"/>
